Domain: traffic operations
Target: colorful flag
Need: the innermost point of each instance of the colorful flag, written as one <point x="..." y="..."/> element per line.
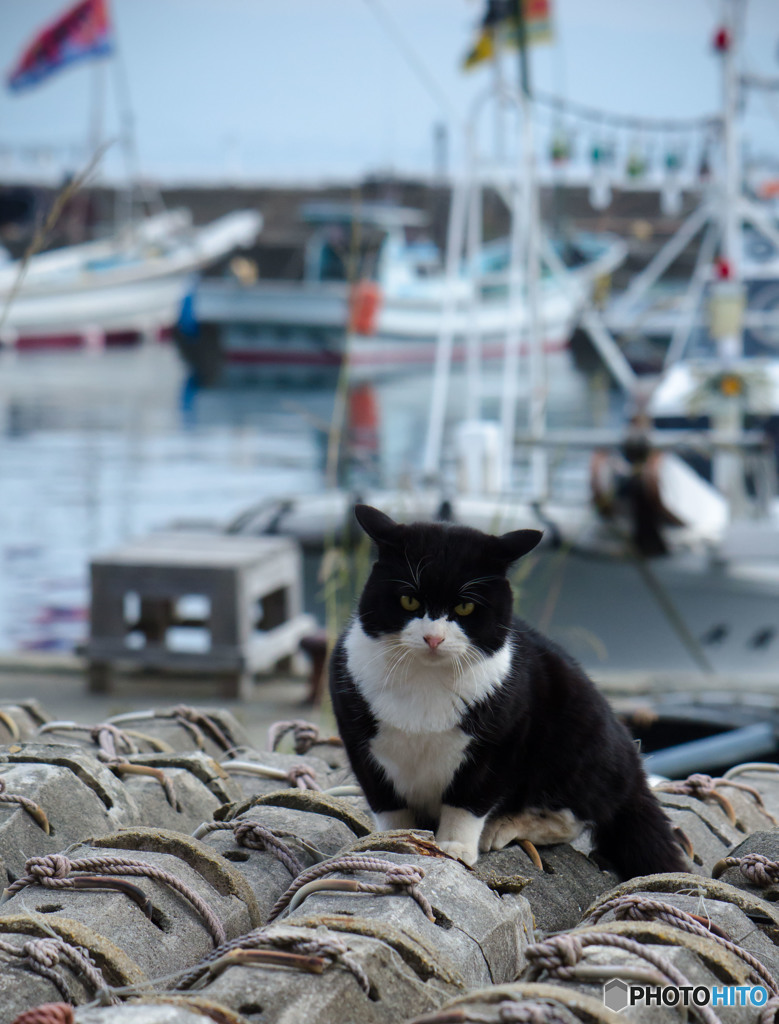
<point x="82" y="31"/>
<point x="499" y="28"/>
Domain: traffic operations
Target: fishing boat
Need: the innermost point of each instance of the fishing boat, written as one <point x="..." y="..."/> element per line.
<point x="388" y="320"/>
<point x="114" y="290"/>
<point x="130" y="284"/>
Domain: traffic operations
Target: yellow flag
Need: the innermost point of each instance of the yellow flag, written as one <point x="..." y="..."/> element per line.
<point x="537" y="16"/>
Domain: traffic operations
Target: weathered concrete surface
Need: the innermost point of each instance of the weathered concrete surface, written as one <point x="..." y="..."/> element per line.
<point x="712" y="904"/>
<point x="60" y="780"/>
<point x="21" y="989"/>
<point x="198" y="783"/>
<point x="310" y="836"/>
<point x="558" y="895"/>
<point x="20" y="720"/>
<point x="492" y="1004"/>
<point x="177" y="935"/>
<point x="763" y="777"/>
<point x="399" y="986"/>
<point x="706" y="826"/>
<point x="702" y="961"/>
<point x="340" y="808"/>
<point x="255" y="783"/>
<point x="210" y="729"/>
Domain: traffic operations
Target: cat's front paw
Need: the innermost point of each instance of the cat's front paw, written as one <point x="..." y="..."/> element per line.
<point x="462" y="851"/>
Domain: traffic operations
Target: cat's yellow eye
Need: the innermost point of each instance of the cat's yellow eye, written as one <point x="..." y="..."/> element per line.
<point x="409" y="603"/>
<point x="465" y="608"/>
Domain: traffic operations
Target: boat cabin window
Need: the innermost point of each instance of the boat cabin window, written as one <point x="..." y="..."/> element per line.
<point x="344" y="253"/>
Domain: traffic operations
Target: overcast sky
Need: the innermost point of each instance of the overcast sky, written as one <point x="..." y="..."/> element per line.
<point x="313" y="89"/>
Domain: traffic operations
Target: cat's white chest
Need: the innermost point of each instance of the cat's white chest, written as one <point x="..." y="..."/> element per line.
<point x="420" y="765"/>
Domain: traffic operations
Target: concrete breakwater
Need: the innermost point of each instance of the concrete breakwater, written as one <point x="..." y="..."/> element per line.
<point x="172" y="873"/>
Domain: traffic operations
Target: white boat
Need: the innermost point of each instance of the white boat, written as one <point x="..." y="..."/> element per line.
<point x="114" y="289"/>
<point x="390" y="320"/>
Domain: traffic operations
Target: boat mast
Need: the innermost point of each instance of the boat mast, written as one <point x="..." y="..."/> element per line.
<point x="728" y="292"/>
<point x="531" y="217"/>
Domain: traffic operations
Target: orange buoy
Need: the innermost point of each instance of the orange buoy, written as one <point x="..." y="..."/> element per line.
<point x="364" y="305"/>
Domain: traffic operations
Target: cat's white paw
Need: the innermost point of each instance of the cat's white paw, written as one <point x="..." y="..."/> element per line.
<point x="462" y="851"/>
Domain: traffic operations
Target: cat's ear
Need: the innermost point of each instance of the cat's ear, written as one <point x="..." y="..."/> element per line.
<point x="514" y="545"/>
<point x="378" y="525"/>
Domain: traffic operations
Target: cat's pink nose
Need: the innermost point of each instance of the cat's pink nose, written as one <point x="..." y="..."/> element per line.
<point x="433" y="641"/>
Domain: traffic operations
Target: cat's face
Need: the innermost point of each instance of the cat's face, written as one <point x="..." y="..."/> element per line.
<point x="439" y="593"/>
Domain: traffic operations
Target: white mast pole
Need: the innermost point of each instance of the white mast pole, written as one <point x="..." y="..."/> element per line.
<point x="431" y="464"/>
<point x="728" y="467"/>
<point x="532" y="213"/>
<point x="473" y="393"/>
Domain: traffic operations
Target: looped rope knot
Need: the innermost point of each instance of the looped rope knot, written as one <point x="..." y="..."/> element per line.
<point x="534" y="1012"/>
<point x="304" y="777"/>
<point x="404" y="874"/>
<point x="396" y="876"/>
<point x="696" y="784"/>
<point x="43" y="951"/>
<point x="110" y="738"/>
<point x="558" y="954"/>
<point x="258" y="837"/>
<point x="53" y="868"/>
<point x="758" y="869"/>
<point x="201" y="721"/>
<point x="304" y="734"/>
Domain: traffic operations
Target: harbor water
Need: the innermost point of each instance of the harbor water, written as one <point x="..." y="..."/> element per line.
<point x="98" y="448"/>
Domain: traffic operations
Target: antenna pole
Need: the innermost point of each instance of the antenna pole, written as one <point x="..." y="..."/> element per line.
<point x="531" y="213"/>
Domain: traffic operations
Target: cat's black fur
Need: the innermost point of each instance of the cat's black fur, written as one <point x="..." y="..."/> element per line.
<point x="544" y="738"/>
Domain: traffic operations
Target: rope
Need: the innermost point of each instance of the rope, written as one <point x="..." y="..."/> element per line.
<point x="201" y="721"/>
<point x="332" y="948"/>
<point x="43" y="955"/>
<point x="35" y="811"/>
<point x="47" y="1013"/>
<point x="396" y="876"/>
<point x="769" y="1011"/>
<point x="535" y="1012"/>
<point x="700" y="786"/>
<point x="532" y="1011"/>
<point x="52" y="873"/>
<point x="303" y="776"/>
<point x="121" y="766"/>
<point x="756" y="868"/>
<point x="304" y="734"/>
<point x="110" y="738"/>
<point x="560" y="954"/>
<point x="257" y="837"/>
<point x="640" y="908"/>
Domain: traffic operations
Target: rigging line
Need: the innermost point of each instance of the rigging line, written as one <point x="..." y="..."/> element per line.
<point x="625" y="120"/>
<point x="412" y="58"/>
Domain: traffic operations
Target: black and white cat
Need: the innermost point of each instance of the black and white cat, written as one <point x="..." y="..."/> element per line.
<point x="459" y="717"/>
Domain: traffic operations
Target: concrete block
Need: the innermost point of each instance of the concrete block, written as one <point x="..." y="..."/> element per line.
<point x="309" y="836"/>
<point x="185" y="728"/>
<point x="474" y="928"/>
<point x="559" y="894"/>
<point x="77" y="794"/>
<point x="398" y="984"/>
<point x="175" y="934"/>
<point x="22" y="988"/>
